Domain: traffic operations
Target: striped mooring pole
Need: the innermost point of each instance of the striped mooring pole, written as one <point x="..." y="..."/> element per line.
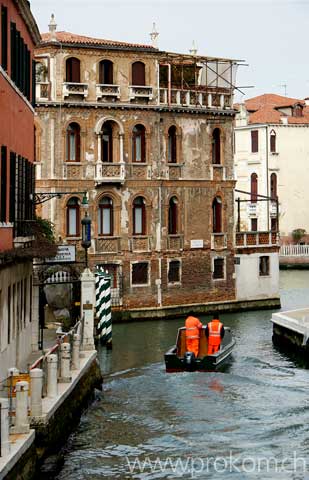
<point x="103" y="307"/>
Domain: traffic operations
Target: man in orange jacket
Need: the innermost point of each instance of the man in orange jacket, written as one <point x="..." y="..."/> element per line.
<point x="193" y="328"/>
<point x="214" y="332"/>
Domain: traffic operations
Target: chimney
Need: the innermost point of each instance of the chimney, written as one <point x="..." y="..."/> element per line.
<point x="284" y="120"/>
<point x="193" y="49"/>
<point x="307" y="101"/>
<point x="52" y="27"/>
<point x="154" y="36"/>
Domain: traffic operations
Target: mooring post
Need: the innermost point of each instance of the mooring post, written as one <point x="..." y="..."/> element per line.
<point x="75" y="352"/>
<point x="36" y="376"/>
<point x="5" y="425"/>
<point x="52" y="375"/>
<point x="65" y="359"/>
<point x="87" y="308"/>
<point x="21" y="413"/>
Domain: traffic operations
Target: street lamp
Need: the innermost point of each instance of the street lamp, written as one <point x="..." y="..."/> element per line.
<point x="86" y="235"/>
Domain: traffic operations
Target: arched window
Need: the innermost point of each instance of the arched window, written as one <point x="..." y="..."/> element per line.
<point x="139" y="216"/>
<point x="138" y="74"/>
<point x="105" y="217"/>
<point x="73" y="143"/>
<point x="73" y="70"/>
<point x="107" y="142"/>
<point x="273" y="186"/>
<point x="138" y="144"/>
<point x="254" y="187"/>
<point x="216" y="147"/>
<point x="172" y="145"/>
<point x="273" y="141"/>
<point x="217" y="215"/>
<point x="173" y="216"/>
<point x="106" y="72"/>
<point x="73" y="217"/>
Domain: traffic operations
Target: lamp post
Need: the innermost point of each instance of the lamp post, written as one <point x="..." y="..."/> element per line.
<point x="86" y="235"/>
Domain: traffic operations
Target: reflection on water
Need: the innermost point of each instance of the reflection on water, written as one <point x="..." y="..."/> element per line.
<point x="258" y="408"/>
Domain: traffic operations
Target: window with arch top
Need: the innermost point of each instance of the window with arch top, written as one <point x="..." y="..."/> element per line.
<point x="273" y="141"/>
<point x="107" y="142"/>
<point x="254" y="187"/>
<point x="173" y="216"/>
<point x="73" y="143"/>
<point x="106" y="72"/>
<point x="138" y="74"/>
<point x="217" y="215"/>
<point x="73" y="70"/>
<point x="139" y="216"/>
<point x="73" y="217"/>
<point x="172" y="145"/>
<point x="105" y="216"/>
<point x="273" y="186"/>
<point x="216" y="147"/>
<point x="139" y="144"/>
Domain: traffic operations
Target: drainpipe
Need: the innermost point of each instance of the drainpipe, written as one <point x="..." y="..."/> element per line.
<point x="267" y="175"/>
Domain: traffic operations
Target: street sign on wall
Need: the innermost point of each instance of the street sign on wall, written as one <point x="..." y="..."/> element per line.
<point x="65" y="254"/>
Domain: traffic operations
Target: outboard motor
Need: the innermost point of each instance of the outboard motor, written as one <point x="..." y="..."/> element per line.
<point x="189" y="360"/>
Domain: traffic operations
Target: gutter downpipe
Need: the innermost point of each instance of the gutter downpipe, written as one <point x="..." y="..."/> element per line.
<point x="267" y="177"/>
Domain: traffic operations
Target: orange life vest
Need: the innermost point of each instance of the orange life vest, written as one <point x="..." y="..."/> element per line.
<point x="214" y="330"/>
<point x="193" y="326"/>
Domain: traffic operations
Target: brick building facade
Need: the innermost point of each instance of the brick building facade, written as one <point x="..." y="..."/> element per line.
<point x="148" y="135"/>
<point x="18" y="36"/>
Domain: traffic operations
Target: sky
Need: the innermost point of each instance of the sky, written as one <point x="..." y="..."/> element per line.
<point x="270" y="35"/>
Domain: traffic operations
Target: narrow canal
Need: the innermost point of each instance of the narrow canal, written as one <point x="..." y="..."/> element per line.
<point x="250" y="421"/>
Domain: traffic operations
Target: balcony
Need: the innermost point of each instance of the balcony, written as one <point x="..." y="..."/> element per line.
<point x="218" y="241"/>
<point x="252" y="209"/>
<point x="107" y="245"/>
<point x="111" y="92"/>
<point x="195" y="98"/>
<point x="175" y="242"/>
<point x="140" y="92"/>
<point x="257" y="239"/>
<point x="140" y="243"/>
<point x="42" y="91"/>
<point x="75" y="89"/>
<point x="110" y="172"/>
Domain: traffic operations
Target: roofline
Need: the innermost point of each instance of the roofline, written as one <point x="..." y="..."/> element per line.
<point x="25" y="11"/>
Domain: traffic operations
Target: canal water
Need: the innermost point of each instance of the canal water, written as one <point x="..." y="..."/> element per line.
<point x="249" y="421"/>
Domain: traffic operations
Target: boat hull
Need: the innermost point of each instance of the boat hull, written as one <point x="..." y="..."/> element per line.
<point x="206" y="363"/>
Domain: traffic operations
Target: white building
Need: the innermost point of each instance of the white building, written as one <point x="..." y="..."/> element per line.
<point x="272" y="159"/>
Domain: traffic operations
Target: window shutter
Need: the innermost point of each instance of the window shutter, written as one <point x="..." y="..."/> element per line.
<point x="75" y="70"/>
<point x="273" y="143"/>
<point x="3" y="184"/>
<point x="254" y="187"/>
<point x="77" y="144"/>
<point x="12" y="206"/>
<point x="254" y="141"/>
<point x="4" y="37"/>
<point x="138" y="74"/>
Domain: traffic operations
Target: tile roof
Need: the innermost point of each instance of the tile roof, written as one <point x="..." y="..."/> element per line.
<point x="265" y="109"/>
<point x="67" y="37"/>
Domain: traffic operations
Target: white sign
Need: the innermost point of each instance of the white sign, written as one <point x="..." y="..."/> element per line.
<point x="197" y="243"/>
<point x="65" y="253"/>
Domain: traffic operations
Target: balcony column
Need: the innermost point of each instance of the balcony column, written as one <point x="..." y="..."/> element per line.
<point x="121" y="135"/>
<point x="98" y="172"/>
<point x="209" y="100"/>
<point x="222" y="100"/>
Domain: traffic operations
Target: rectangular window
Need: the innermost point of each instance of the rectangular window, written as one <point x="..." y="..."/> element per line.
<point x="4" y="37"/>
<point x="111" y="269"/>
<point x="138" y="213"/>
<point x="254" y="224"/>
<point x="140" y="273"/>
<point x="218" y="271"/>
<point x="174" y="271"/>
<point x="12" y="207"/>
<point x="254" y="141"/>
<point x="264" y="266"/>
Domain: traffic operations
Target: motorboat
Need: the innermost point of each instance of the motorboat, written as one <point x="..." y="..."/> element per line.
<point x="177" y="359"/>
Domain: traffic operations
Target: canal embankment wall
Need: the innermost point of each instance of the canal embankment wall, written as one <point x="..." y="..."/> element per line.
<point x="60" y="412"/>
